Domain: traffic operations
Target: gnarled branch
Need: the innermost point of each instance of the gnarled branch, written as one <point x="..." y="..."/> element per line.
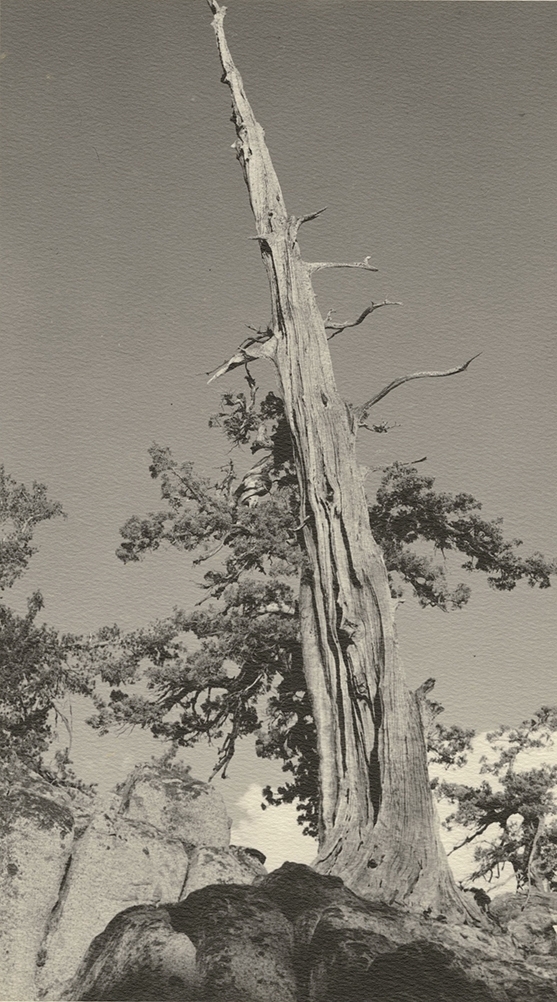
<point x="337" y="328"/>
<point x="470" y="838"/>
<point x="362" y="412"/>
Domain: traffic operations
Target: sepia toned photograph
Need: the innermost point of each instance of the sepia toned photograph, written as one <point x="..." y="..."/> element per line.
<point x="278" y="532"/>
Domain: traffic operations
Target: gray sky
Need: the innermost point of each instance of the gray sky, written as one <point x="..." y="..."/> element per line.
<point x="429" y="131"/>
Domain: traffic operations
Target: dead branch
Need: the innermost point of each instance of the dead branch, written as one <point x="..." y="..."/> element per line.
<point x="382" y="428"/>
<point x="470" y="838"/>
<point x="362" y="412"/>
<point x="337" y="328"/>
<point x="314" y="266"/>
<point x="531" y="867"/>
<point x="305" y="219"/>
<point x="89" y="645"/>
<point x="410" y="462"/>
<point x="248" y="351"/>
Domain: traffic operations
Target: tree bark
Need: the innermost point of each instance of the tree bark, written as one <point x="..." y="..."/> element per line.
<point x="378" y="826"/>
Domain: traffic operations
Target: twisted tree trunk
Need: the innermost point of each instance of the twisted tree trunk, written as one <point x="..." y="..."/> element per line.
<point x="378" y="826"/>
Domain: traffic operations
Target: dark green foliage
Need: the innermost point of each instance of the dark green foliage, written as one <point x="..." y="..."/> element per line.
<point x="21" y="510"/>
<point x="409" y="511"/>
<point x="37" y="664"/>
<point x="31" y="678"/>
<point x="289" y="736"/>
<point x="448" y="745"/>
<point x="234" y="667"/>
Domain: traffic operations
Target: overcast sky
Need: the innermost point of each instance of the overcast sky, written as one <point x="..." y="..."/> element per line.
<point x="429" y="130"/>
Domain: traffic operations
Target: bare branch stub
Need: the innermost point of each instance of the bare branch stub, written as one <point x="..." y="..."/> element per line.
<point x="314" y="266"/>
<point x="296" y="223"/>
<point x="337" y="328"/>
<point x="362" y="412"/>
<point x="380" y="429"/>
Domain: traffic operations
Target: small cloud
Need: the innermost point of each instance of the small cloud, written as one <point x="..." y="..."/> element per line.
<point x="274" y="831"/>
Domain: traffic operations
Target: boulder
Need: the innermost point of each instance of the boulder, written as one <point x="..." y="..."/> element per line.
<point x="177" y="804"/>
<point x="354" y="969"/>
<point x="350" y="948"/>
<point x="297" y="936"/>
<point x="222" y="942"/>
<point x="244" y="943"/>
<point x="215" y="865"/>
<point x="138" y="956"/>
<point x="36" y="836"/>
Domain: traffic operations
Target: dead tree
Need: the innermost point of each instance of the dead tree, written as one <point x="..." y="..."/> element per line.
<point x="378" y="826"/>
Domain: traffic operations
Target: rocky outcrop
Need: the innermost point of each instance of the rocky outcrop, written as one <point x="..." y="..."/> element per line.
<point x="297" y="936"/>
<point x="116" y="863"/>
<point x="69" y="867"/>
<point x="162" y="827"/>
<point x="144" y="899"/>
<point x="36" y="837"/>
<point x="177" y="804"/>
<point x="531" y="920"/>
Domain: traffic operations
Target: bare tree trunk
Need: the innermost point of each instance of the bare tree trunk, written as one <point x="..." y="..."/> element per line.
<point x="378" y="826"/>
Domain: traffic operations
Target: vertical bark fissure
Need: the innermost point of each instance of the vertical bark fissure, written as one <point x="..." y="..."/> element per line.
<point x="377" y="822"/>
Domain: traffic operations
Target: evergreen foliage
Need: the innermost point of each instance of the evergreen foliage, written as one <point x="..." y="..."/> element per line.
<point x="233" y="667"/>
<point x="520" y="803"/>
<point x="21" y="511"/>
<point x="37" y="664"/>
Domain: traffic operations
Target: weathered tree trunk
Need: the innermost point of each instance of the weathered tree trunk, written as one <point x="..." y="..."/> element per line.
<point x="378" y="826"/>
